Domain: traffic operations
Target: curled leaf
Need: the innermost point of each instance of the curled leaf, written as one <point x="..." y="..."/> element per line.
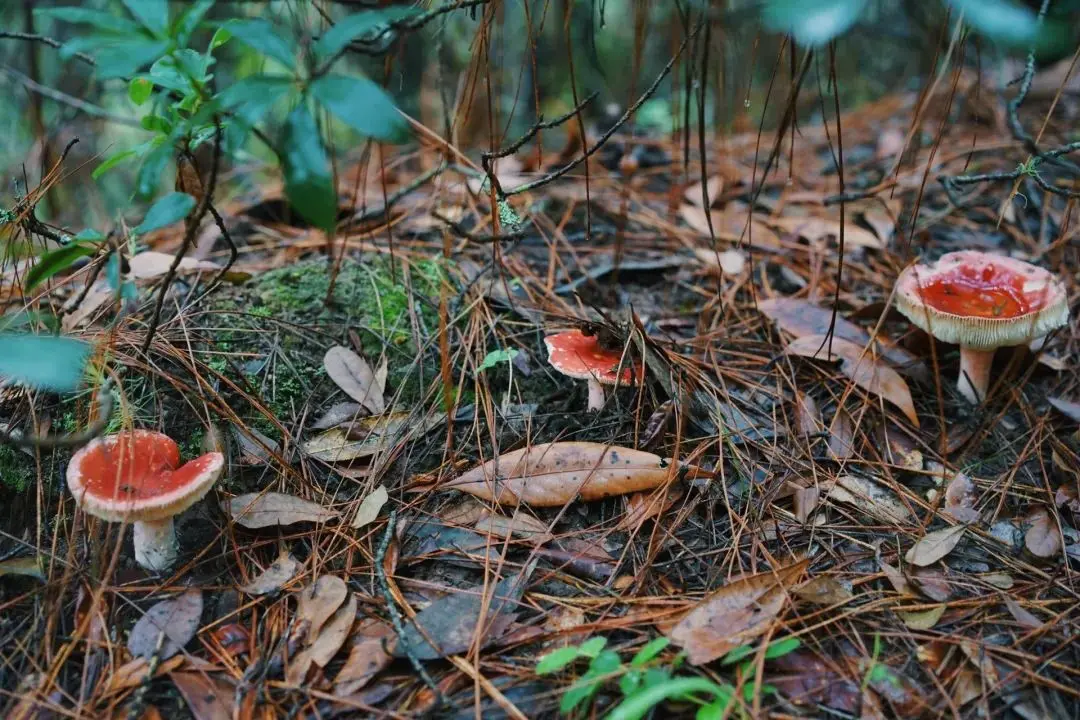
<point x="274" y="577"/>
<point x="1042" y="538"/>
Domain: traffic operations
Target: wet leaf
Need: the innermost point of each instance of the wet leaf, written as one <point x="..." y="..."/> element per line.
<point x="960" y="499"/>
<point x="353" y="375"/>
<point x="868" y="372"/>
<point x="255" y="510"/>
<point x="318" y="602"/>
<point x="336" y="415"/>
<point x="870" y="497"/>
<point x="178" y="618"/>
<point x="30" y="566"/>
<point x="274" y="577"/>
<point x="923" y="620"/>
<point x="208" y="696"/>
<point x="824" y="590"/>
<point x="935" y="545"/>
<point x="554" y="474"/>
<point x="452" y="622"/>
<point x="369" y="509"/>
<point x="367" y="656"/>
<point x="520" y="524"/>
<point x="735" y="614"/>
<point x="1042" y="538"/>
<point x="334" y="633"/>
<point x="1021" y="615"/>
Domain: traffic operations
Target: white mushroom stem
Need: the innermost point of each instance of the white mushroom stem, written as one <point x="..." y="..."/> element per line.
<point x="596" y="395"/>
<point x="974" y="381"/>
<point x="155" y="544"/>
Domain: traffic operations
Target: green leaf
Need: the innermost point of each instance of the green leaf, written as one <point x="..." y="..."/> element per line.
<point x="152" y="14"/>
<point x="153" y="167"/>
<point x="630" y="682"/>
<point x="194" y="64"/>
<point x="250" y="98"/>
<point x="86" y="43"/>
<point x="811" y="22"/>
<point x="307" y="170"/>
<point x="263" y="36"/>
<point x="53" y="262"/>
<point x="43" y="361"/>
<point x="165" y="73"/>
<point x="111" y="162"/>
<point x="1002" y="20"/>
<point x="127" y="58"/>
<point x="782" y="647"/>
<point x="651" y="650"/>
<point x="556" y="660"/>
<point x="169" y="209"/>
<point x="592" y="647"/>
<point x="344" y="32"/>
<point x="221" y="36"/>
<point x="641" y="702"/>
<point x="89" y="235"/>
<point x="495" y="357"/>
<point x="717" y="709"/>
<point x="189" y="20"/>
<point x="139" y="90"/>
<point x="84" y="16"/>
<point x="362" y="105"/>
<point x="606" y="663"/>
<point x="156" y="123"/>
<point x="734" y="656"/>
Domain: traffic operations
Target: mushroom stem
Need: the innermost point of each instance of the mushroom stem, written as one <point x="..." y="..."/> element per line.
<point x="974" y="379"/>
<point x="155" y="544"/>
<point x="596" y="395"/>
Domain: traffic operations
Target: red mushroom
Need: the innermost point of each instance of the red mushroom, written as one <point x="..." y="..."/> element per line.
<point x="136" y="476"/>
<point x="580" y="356"/>
<point x="981" y="302"/>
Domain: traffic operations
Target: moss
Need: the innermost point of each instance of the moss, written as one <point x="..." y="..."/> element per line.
<point x="16" y="469"/>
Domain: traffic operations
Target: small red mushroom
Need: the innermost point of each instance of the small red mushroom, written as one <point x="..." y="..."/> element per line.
<point x="580" y="356"/>
<point x="136" y="476"/>
<point x="981" y="302"/>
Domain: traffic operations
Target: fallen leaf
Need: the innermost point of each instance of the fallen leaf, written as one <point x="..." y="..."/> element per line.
<point x="369" y="509"/>
<point x="870" y="497"/>
<point x="367" y="656"/>
<point x="520" y="524"/>
<point x="935" y="545"/>
<point x="905" y="697"/>
<point x="337" y="414"/>
<point x="554" y="474"/>
<point x="868" y="372"/>
<point x="842" y="436"/>
<point x="208" y="696"/>
<point x="804" y="502"/>
<point x="730" y="225"/>
<point x="897" y="579"/>
<point x="734" y="614"/>
<point x="644" y="505"/>
<point x="1067" y="408"/>
<point x="960" y="499"/>
<point x="452" y="622"/>
<point x="818" y="228"/>
<point x="133" y="673"/>
<point x="369" y="436"/>
<point x="1042" y="538"/>
<point x="30" y="566"/>
<point x="1000" y="580"/>
<point x="730" y="262"/>
<point x="808" y="680"/>
<point x="334" y="633"/>
<point x="352" y="374"/>
<point x="274" y="577"/>
<point x="255" y="448"/>
<point x="923" y="620"/>
<point x="807" y="414"/>
<point x="1021" y="615"/>
<point x="931" y="583"/>
<point x="318" y="602"/>
<point x="882" y="223"/>
<point x="151" y="264"/>
<point x="824" y="590"/>
<point x="178" y="618"/>
<point x="259" y="510"/>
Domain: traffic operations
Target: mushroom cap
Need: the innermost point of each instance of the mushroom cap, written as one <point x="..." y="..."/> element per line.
<point x="577" y="355"/>
<point x="982" y="301"/>
<point x="135" y="476"/>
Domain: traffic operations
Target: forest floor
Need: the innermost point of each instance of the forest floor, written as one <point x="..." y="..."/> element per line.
<point x="830" y="543"/>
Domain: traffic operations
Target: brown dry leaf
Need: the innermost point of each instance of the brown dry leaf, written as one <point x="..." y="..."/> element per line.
<point x="931" y="583"/>
<point x="255" y="448"/>
<point x="554" y="474"/>
<point x="520" y="524"/>
<point x="923" y="620"/>
<point x="730" y="262"/>
<point x="960" y="499"/>
<point x="337" y="414"/>
<point x="274" y="577"/>
<point x="30" y="566"/>
<point x="1021" y="615"/>
<point x="369" y="509"/>
<point x="644" y="505"/>
<point x="151" y="264"/>
<point x="870" y="497"/>
<point x="352" y="374"/>
<point x="730" y="225"/>
<point x="883" y="224"/>
<point x="1042" y="538"/>
<point x="369" y="436"/>
<point x="824" y="590"/>
<point x="178" y="618"/>
<point x="334" y="633"/>
<point x="807" y="680"/>
<point x="97" y="296"/>
<point x="318" y="602"/>
<point x="804" y="502"/>
<point x="367" y="657"/>
<point x="715" y="186"/>
<point x="842" y="436"/>
<point x="734" y="614"/>
<point x="208" y="697"/>
<point x="897" y="579"/>
<point x="255" y="510"/>
<point x="967" y="687"/>
<point x="818" y="228"/>
<point x="935" y="545"/>
<point x="868" y="372"/>
<point x="807" y="414"/>
<point x="133" y="673"/>
<point x="1000" y="580"/>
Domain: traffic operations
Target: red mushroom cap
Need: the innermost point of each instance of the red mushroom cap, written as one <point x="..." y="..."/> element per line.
<point x="134" y="476"/>
<point x="982" y="301"/>
<point x="577" y="355"/>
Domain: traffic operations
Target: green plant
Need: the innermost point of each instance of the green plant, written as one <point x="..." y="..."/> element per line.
<point x="647" y="681"/>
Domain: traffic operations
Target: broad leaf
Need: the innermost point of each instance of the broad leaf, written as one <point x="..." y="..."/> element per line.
<point x="812" y="22"/>
<point x="139" y="90"/>
<point x="54" y="262"/>
<point x="43" y="361"/>
<point x="344" y="32"/>
<point x="557" y="659"/>
<point x="152" y="14"/>
<point x="250" y="98"/>
<point x="164" y="73"/>
<point x="84" y="16"/>
<point x="307" y="170"/>
<point x="1002" y="20"/>
<point x="189" y="20"/>
<point x="174" y="206"/>
<point x="362" y="105"/>
<point x="263" y="36"/>
<point x="640" y="703"/>
<point x="123" y="59"/>
<point x="153" y="167"/>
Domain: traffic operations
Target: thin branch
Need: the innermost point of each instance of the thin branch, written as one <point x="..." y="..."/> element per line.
<point x="65" y="99"/>
<point x="31" y="37"/>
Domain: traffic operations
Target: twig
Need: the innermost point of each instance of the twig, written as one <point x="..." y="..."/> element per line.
<point x="395" y="196"/>
<point x="457" y="229"/>
<point x="395" y="617"/>
<point x="65" y="99"/>
<point x="69" y="440"/>
<point x="45" y="41"/>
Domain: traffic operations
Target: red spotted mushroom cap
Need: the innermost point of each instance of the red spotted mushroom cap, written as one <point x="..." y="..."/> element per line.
<point x="137" y="476"/>
<point x="577" y="355"/>
<point x="982" y="301"/>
